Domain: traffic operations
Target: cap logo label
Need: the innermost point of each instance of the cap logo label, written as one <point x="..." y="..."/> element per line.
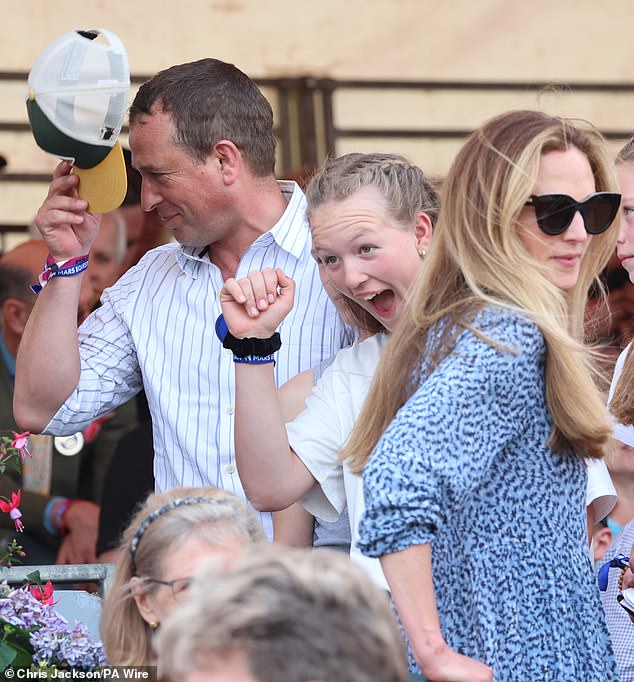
<point x="107" y="132"/>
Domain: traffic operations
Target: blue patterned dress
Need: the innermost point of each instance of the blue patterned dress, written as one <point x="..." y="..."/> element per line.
<point x="466" y="466"/>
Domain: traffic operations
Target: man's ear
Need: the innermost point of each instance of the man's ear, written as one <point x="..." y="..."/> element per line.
<point x="142" y="600"/>
<point x="423" y="231"/>
<point x="229" y="158"/>
<point x="601" y="540"/>
<point x="15" y="313"/>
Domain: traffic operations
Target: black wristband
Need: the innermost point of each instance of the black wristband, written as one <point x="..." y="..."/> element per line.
<point x="252" y="346"/>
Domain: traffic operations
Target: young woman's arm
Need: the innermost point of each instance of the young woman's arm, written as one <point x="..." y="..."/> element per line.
<point x="409" y="575"/>
<point x="293" y="527"/>
<point x="271" y="473"/>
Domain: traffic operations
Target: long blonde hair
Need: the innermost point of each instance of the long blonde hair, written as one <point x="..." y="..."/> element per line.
<point x="126" y="636"/>
<point x="622" y="404"/>
<point x="479" y="259"/>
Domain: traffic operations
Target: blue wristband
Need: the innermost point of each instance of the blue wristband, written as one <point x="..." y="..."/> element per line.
<point x="47" y="520"/>
<point x="67" y="268"/>
<point x="255" y="359"/>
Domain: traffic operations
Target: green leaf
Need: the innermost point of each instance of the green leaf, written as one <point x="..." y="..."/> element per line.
<point x="23" y="657"/>
<point x="7" y="655"/>
<point x="16" y="465"/>
<point x="33" y="577"/>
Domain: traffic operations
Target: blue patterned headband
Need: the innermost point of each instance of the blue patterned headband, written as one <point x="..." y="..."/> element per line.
<point x="179" y="502"/>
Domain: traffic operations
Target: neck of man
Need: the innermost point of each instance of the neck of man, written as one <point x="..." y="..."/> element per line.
<point x="261" y="206"/>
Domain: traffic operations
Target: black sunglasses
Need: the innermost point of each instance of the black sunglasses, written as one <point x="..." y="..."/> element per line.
<point x="555" y="212"/>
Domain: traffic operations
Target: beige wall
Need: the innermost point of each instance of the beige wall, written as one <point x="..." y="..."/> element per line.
<point x="417" y="39"/>
<point x="460" y="40"/>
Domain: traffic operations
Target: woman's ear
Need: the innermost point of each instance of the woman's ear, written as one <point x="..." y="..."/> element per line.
<point x="422" y="231"/>
<point x="143" y="601"/>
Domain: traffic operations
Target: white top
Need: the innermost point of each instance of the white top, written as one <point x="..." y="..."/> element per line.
<point x="319" y="432"/>
<point x="621" y="432"/>
<point x="600" y="491"/>
<point x="155" y="330"/>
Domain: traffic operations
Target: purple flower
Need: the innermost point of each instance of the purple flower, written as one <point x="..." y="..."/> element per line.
<point x="53" y="640"/>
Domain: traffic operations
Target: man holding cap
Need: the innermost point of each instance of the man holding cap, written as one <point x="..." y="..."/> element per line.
<point x="201" y="135"/>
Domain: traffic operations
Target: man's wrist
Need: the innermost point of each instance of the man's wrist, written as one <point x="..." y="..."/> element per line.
<point x="52" y="511"/>
<point x="63" y="268"/>
<point x="55" y="515"/>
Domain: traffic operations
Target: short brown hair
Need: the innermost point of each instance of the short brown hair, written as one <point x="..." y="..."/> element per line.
<point x="210" y="100"/>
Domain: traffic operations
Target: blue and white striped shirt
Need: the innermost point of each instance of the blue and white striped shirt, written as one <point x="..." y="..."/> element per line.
<point x="155" y="330"/>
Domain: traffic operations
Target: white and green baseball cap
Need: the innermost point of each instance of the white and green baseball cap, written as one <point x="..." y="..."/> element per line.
<point x="77" y="101"/>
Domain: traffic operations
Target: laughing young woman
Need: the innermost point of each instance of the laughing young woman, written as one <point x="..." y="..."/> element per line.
<point x="371" y="219"/>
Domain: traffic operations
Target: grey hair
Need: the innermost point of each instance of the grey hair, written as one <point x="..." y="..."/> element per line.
<point x="210" y="100"/>
<point x="126" y="636"/>
<point x="295" y="615"/>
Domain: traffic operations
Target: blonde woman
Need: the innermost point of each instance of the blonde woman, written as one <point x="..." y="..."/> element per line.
<point x="166" y="540"/>
<point x="622" y="388"/>
<point x="484" y="408"/>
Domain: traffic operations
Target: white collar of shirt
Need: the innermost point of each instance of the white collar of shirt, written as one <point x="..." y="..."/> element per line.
<point x="284" y="232"/>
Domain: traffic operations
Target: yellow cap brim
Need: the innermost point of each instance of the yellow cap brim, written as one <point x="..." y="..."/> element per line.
<point x="104" y="186"/>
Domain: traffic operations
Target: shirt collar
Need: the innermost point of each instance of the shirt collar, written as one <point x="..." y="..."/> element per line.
<point x="7" y="358"/>
<point x="284" y="233"/>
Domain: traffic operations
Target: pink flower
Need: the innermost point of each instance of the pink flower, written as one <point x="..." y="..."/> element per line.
<point x="11" y="508"/>
<point x="21" y="443"/>
<point x="43" y="594"/>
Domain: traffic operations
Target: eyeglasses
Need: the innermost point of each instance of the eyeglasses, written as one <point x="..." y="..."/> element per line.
<point x="555" y="212"/>
<point x="179" y="586"/>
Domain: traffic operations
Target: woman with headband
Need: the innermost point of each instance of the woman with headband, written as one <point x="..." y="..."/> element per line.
<point x="163" y="545"/>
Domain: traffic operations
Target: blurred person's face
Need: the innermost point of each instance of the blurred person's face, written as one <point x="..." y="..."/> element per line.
<point x="621" y="461"/>
<point x="144" y="231"/>
<point x="177" y="571"/>
<point x="625" y="243"/>
<point x="87" y="299"/>
<point x="104" y="262"/>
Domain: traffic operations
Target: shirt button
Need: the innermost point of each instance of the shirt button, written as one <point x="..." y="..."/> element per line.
<point x="229" y="469"/>
<point x="230" y="409"/>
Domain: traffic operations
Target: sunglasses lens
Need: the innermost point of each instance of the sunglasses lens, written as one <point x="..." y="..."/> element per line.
<point x="599" y="211"/>
<point x="554" y="212"/>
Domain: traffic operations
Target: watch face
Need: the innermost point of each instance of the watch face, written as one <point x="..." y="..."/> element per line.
<point x="69" y="445"/>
